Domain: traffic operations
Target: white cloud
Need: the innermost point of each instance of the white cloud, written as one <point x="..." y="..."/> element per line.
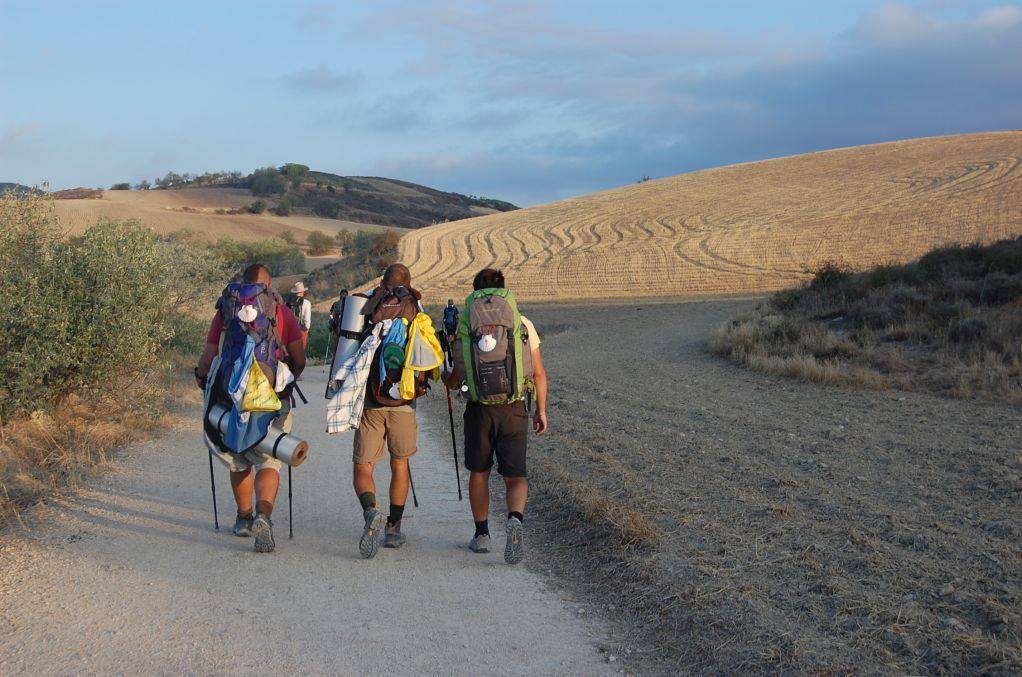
<point x="1000" y="17"/>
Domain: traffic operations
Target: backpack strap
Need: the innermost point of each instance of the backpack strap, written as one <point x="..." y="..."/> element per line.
<point x="273" y="300"/>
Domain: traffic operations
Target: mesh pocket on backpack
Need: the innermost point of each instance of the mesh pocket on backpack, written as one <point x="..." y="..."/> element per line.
<point x="492" y="379"/>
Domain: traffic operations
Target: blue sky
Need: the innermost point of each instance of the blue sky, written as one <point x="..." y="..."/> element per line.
<point x="528" y="101"/>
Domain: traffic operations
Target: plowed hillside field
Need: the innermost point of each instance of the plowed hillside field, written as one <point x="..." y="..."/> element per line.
<point x="741" y="229"/>
<point x="195" y="209"/>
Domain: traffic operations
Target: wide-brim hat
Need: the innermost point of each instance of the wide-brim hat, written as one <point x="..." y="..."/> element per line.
<point x="298" y="288"/>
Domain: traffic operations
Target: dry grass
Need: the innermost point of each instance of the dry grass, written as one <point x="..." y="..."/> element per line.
<point x="202" y="210"/>
<point x="47" y="453"/>
<point x="740" y="229"/>
<point x="797" y="528"/>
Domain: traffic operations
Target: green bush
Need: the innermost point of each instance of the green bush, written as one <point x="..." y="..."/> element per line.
<point x="319" y="335"/>
<point x="267" y="181"/>
<point x="93" y="313"/>
<point x="295" y="173"/>
<point x="319" y="242"/>
<point x="121" y="186"/>
<point x="280" y="256"/>
<point x="326" y="207"/>
<point x="364" y="258"/>
<point x="284" y="206"/>
<point x="343" y="239"/>
<point x="257" y="207"/>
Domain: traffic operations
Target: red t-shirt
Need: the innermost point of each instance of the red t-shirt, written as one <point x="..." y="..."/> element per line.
<point x="287" y="327"/>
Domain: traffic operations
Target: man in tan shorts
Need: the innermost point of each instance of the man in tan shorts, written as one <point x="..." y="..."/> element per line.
<point x="384" y="429"/>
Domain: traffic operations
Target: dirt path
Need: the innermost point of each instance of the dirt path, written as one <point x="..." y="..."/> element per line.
<point x="129" y="577"/>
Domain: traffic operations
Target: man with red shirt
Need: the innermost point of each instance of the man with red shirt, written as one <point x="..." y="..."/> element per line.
<point x="266" y="478"/>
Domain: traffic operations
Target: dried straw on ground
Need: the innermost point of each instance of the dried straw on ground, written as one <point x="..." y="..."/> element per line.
<point x="741" y="229"/>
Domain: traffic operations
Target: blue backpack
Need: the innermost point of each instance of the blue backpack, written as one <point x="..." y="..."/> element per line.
<point x="262" y="329"/>
<point x="249" y="313"/>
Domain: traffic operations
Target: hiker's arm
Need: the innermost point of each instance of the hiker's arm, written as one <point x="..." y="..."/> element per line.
<point x="454" y="377"/>
<point x="539" y="422"/>
<point x="212" y="350"/>
<point x="202" y="371"/>
<point x="451" y="380"/>
<point x="296" y="357"/>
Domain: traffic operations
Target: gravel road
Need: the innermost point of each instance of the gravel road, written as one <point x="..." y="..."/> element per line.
<point x="129" y="577"/>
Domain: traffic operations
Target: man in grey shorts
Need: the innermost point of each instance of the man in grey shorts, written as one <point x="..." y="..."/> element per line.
<point x="264" y="480"/>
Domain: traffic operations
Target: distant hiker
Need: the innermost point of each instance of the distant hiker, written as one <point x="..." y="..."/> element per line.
<point x="451" y="319"/>
<point x="262" y="353"/>
<point x="302" y="309"/>
<point x="399" y="354"/>
<point x="498" y="364"/>
<point x="336" y="310"/>
<point x="336" y="314"/>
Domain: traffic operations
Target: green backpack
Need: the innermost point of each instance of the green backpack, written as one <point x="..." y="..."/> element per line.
<point x="490" y="332"/>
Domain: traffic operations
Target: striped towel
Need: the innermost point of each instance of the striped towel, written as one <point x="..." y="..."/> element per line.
<point x="344" y="409"/>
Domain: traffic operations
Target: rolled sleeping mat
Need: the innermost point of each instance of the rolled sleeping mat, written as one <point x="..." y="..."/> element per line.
<point x="277" y="443"/>
<point x="350" y="338"/>
<point x="352" y="318"/>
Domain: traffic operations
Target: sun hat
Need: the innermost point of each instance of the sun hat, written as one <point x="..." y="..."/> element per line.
<point x="298" y="288"/>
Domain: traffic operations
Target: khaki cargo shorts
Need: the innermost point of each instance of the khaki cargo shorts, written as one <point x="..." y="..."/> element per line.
<point x="255" y="459"/>
<point x="398" y="429"/>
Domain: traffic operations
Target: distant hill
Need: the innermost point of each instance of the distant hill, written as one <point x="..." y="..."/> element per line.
<point x="77" y="194"/>
<point x="211" y="213"/>
<point x="295" y="189"/>
<point x="385" y="202"/>
<point x="742" y="229"/>
<point x="216" y="204"/>
<point x="18" y="188"/>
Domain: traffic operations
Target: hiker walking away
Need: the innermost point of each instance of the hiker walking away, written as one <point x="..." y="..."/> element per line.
<point x="336" y="314"/>
<point x="254" y="366"/>
<point x="408" y="353"/>
<point x="450" y="319"/>
<point x="302" y="310"/>
<point x="497" y="363"/>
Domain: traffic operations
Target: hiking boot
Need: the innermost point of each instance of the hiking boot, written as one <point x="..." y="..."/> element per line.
<point x="514" y="551"/>
<point x="243" y="526"/>
<point x="369" y="544"/>
<point x="393" y="538"/>
<point x="262" y="528"/>
<point x="480" y="543"/>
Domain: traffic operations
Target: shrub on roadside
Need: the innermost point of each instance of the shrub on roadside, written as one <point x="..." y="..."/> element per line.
<point x="257" y="207"/>
<point x="92" y="313"/>
<point x="947" y="323"/>
<point x="87" y="340"/>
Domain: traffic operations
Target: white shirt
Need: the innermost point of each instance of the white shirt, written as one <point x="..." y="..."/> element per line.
<point x="305" y="316"/>
<point x="533" y="334"/>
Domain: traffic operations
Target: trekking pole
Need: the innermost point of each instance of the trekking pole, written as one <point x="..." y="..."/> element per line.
<point x="412" y="485"/>
<point x="449" y="361"/>
<point x="290" y="508"/>
<point x="454" y="440"/>
<point x="300" y="393"/>
<point x="212" y="486"/>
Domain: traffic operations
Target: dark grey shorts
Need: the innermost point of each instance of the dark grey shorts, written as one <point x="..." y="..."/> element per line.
<point x="500" y="430"/>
